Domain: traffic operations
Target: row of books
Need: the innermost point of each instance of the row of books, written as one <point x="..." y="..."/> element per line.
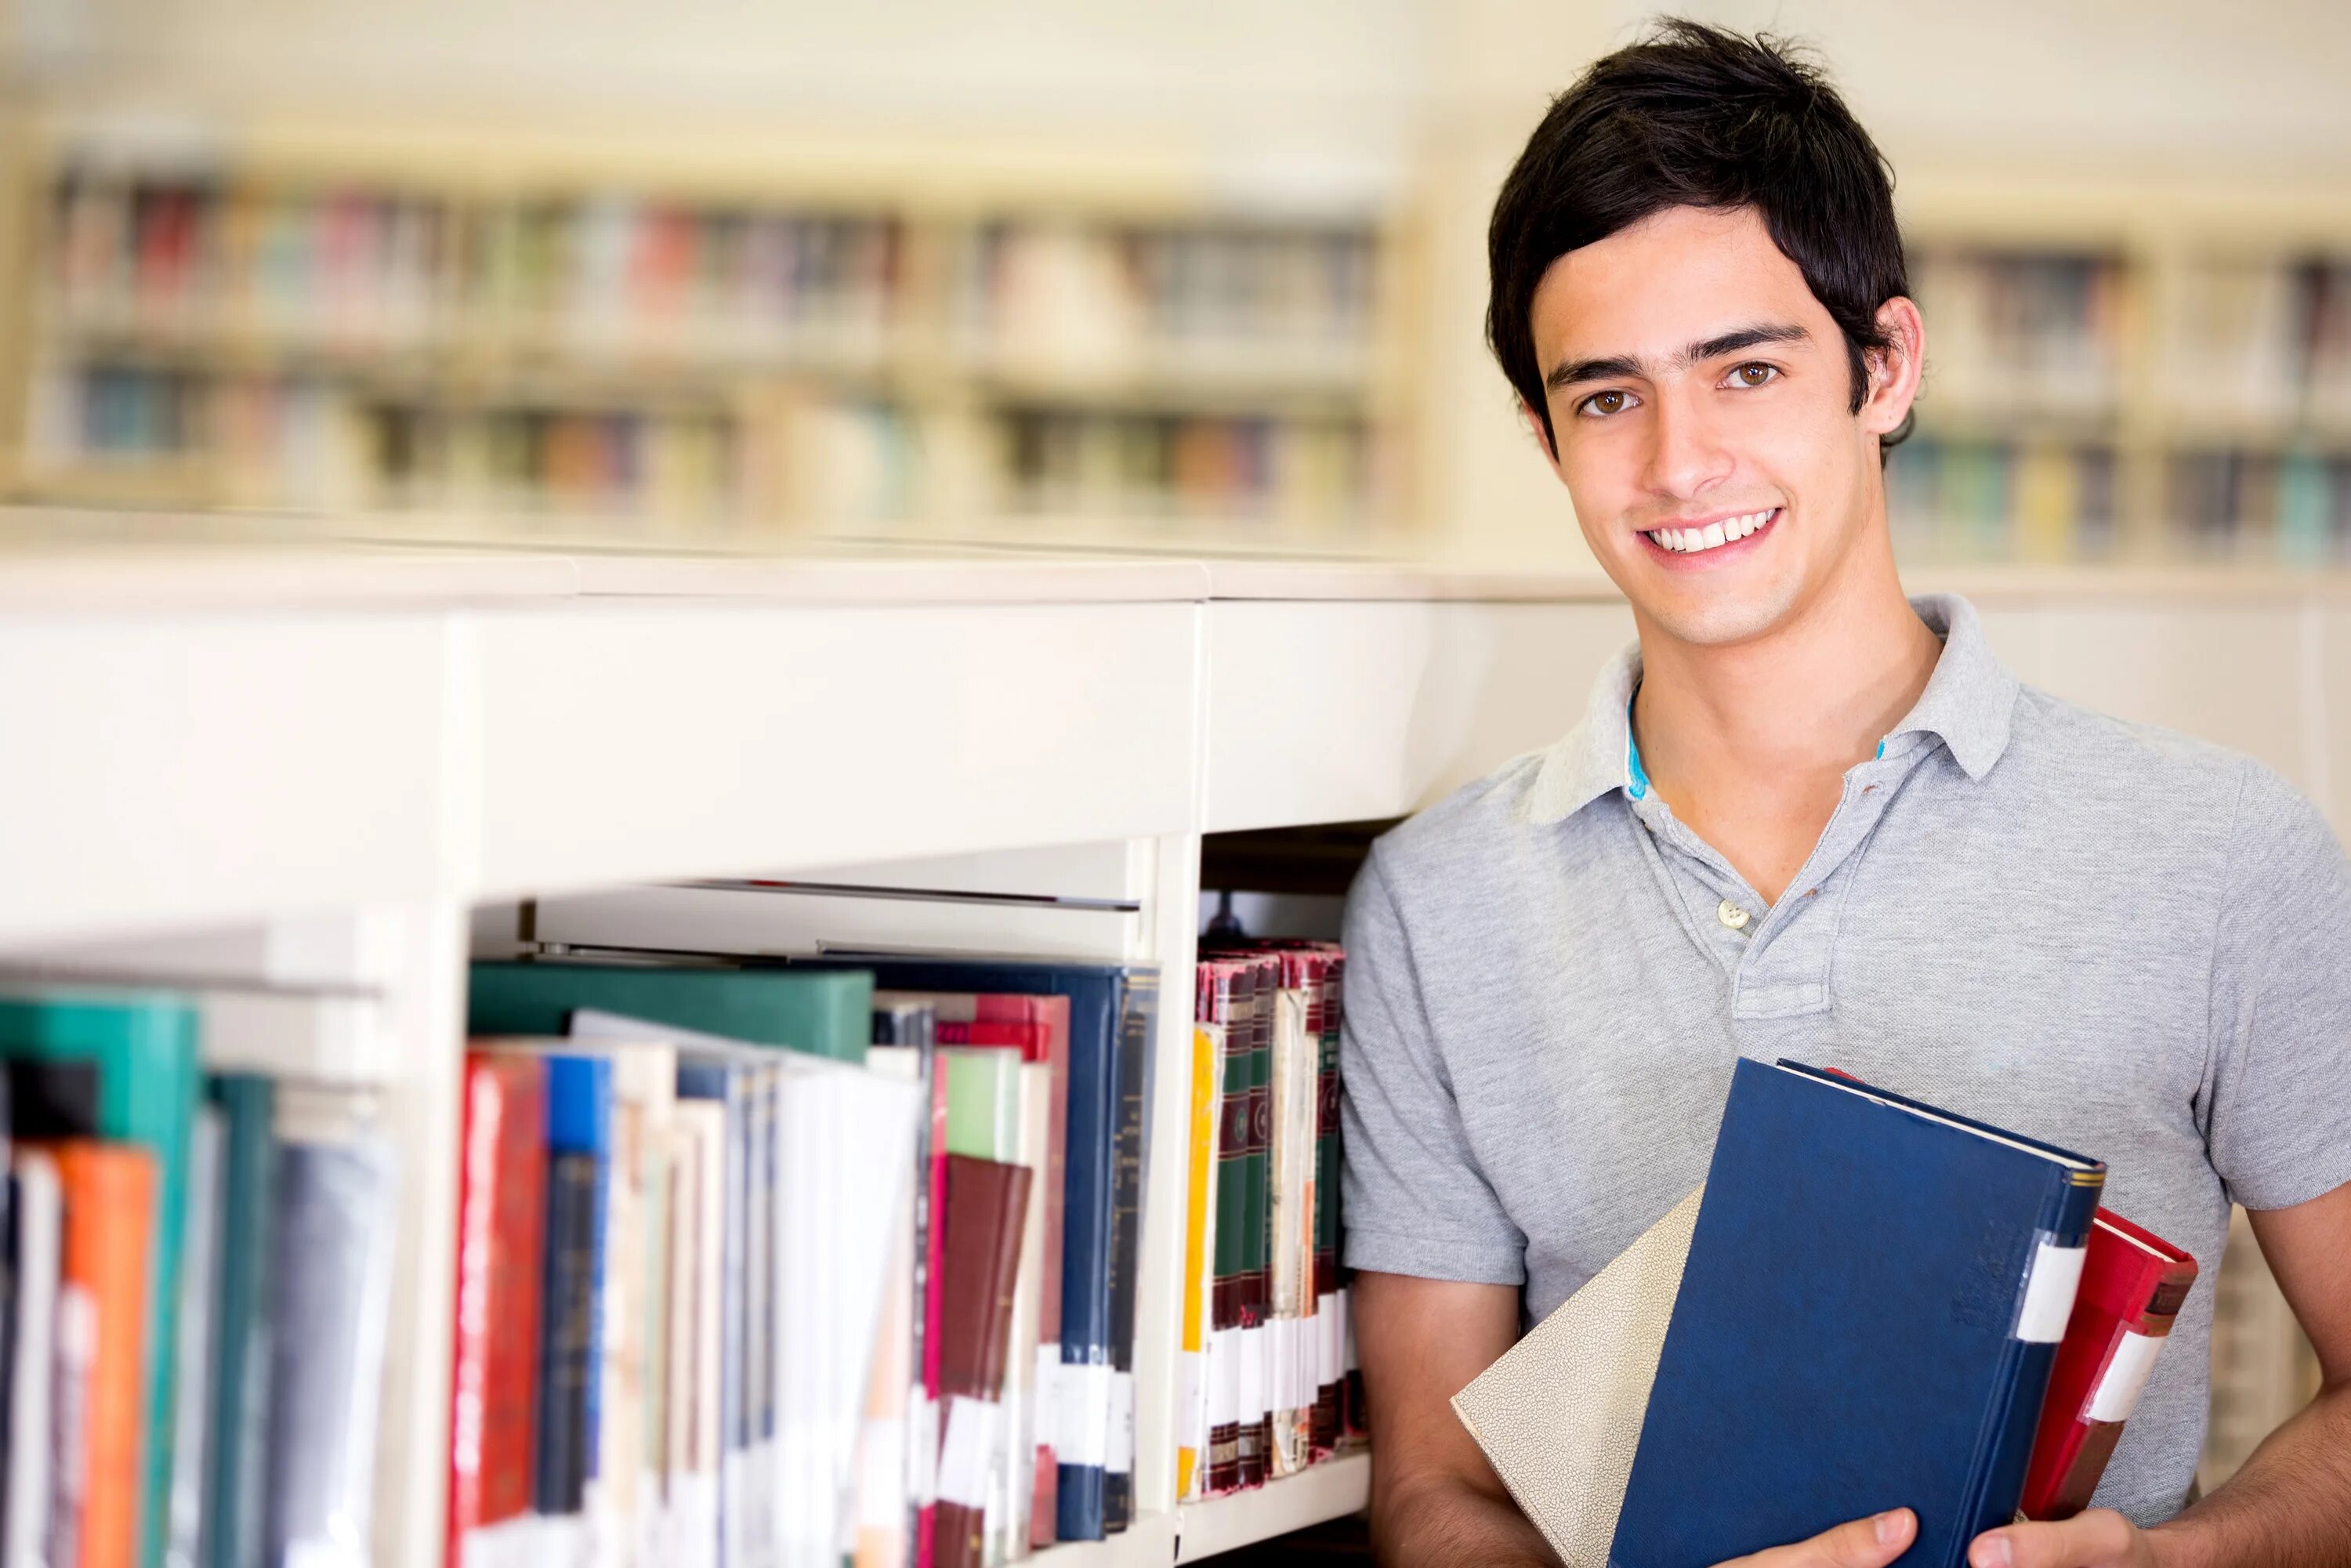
<point x="1303" y="469"/>
<point x="1271" y="1384"/>
<point x="2262" y="340"/>
<point x="867" y="1297"/>
<point x="2022" y="332"/>
<point x="2292" y="507"/>
<point x="1996" y="500"/>
<point x="357" y="268"/>
<point x="197" y="1289"/>
<point x="1102" y="294"/>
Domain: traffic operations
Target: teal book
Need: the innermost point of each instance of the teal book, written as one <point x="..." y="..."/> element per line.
<point x="825" y="1013"/>
<point x="236" y="1463"/>
<point x="144" y="1046"/>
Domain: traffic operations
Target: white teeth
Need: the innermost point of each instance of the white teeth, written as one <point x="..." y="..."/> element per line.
<point x="1689" y="541"/>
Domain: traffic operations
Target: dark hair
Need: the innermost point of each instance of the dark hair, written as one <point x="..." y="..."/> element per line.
<point x="1697" y="116"/>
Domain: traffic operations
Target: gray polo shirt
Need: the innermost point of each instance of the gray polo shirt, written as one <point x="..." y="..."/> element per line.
<point x="2112" y="937"/>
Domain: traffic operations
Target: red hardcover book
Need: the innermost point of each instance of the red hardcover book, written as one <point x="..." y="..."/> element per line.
<point x="501" y="1214"/>
<point x="2133" y="1282"/>
<point x="986" y="1204"/>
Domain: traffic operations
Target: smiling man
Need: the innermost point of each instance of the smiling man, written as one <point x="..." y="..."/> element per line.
<point x="1806" y="816"/>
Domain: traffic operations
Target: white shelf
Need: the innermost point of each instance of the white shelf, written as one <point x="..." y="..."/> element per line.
<point x="298" y="770"/>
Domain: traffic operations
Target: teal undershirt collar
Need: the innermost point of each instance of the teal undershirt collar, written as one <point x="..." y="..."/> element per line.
<point x="1636" y="777"/>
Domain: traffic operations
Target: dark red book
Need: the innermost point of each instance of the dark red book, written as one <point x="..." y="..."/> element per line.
<point x="1038" y="1027"/>
<point x="2133" y="1282"/>
<point x="934" y="1304"/>
<point x="501" y="1217"/>
<point x="987" y="1203"/>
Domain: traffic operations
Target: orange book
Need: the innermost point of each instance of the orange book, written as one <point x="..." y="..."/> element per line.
<point x="110" y="1207"/>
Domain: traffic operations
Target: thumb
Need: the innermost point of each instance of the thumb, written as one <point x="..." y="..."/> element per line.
<point x="1870" y="1542"/>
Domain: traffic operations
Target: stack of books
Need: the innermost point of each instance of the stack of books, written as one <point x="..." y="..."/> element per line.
<point x="1871" y="1303"/>
<point x="198" y="1287"/>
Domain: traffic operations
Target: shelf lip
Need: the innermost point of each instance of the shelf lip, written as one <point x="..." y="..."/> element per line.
<point x="1331" y="1490"/>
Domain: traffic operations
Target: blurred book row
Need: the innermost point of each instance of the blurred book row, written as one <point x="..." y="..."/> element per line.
<point x="353" y="269"/>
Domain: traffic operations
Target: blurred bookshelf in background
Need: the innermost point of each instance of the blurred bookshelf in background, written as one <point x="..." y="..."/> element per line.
<point x="729" y="361"/>
<point x="2175" y="403"/>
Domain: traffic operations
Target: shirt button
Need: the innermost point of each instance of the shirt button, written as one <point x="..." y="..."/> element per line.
<point x="1731" y="915"/>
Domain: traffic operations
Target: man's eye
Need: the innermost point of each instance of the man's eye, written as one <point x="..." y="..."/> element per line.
<point x="1754" y="375"/>
<point x="1600" y="404"/>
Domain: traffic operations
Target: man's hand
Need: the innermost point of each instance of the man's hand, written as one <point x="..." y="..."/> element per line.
<point x="1870" y="1542"/>
<point x="2100" y="1538"/>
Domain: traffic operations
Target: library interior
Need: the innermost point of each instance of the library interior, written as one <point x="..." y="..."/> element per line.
<point x="689" y="692"/>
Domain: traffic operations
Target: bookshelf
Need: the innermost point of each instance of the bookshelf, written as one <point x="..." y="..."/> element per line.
<point x="2127" y="371"/>
<point x="313" y="777"/>
<point x="722" y="337"/>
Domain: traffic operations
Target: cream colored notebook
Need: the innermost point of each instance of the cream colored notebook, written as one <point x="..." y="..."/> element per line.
<point x="1559" y="1414"/>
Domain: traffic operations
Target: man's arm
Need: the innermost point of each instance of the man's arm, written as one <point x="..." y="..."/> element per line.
<point x="1435" y="1500"/>
<point x="2289" y="1506"/>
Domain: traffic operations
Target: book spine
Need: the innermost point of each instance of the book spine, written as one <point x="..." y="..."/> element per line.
<point x="1226" y="1014"/>
<point x="1257" y="1415"/>
<point x="566" y="1352"/>
<point x="111" y="1193"/>
<point x="1136" y="1015"/>
<point x="2122" y="1375"/>
<point x="500" y="1224"/>
<point x="2045" y="1303"/>
<point x="1329" y="1386"/>
<point x="1192" y="1440"/>
<point x="1086" y="1268"/>
<point x="236" y="1463"/>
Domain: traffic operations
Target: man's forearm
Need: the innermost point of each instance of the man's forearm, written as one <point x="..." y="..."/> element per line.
<point x="2289" y="1507"/>
<point x="1445" y="1523"/>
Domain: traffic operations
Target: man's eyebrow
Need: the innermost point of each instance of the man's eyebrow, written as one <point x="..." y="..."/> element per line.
<point x="1613" y="366"/>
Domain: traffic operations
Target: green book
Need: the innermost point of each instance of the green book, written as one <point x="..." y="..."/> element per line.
<point x="144" y="1044"/>
<point x="237" y="1461"/>
<point x="822" y="1013"/>
<point x="983" y="1103"/>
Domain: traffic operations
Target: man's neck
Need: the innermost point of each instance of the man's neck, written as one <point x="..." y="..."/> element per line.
<point x="1750" y="742"/>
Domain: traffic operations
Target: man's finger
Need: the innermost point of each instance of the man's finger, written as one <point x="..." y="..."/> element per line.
<point x="2084" y="1540"/>
<point x="1870" y="1542"/>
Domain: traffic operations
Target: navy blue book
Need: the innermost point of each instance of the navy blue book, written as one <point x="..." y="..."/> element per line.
<point x="1111" y="1013"/>
<point x="578" y="1166"/>
<point x="1873" y="1298"/>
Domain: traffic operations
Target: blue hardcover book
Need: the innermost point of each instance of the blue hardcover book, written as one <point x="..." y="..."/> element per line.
<point x="579" y="1158"/>
<point x="1111" y="1013"/>
<point x="1874" y="1295"/>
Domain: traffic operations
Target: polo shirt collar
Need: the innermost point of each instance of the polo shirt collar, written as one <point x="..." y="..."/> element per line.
<point x="1969" y="703"/>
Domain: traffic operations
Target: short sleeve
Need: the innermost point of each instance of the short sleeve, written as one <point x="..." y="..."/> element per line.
<point x="2278" y="1074"/>
<point x="1412" y="1197"/>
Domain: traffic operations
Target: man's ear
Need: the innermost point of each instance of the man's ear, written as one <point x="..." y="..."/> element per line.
<point x="1894" y="370"/>
<point x="1542" y="433"/>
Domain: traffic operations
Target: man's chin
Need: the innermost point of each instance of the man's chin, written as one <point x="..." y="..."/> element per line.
<point x="1722" y="616"/>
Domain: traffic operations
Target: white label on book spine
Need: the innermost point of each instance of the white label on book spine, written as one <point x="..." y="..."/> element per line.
<point x="1192" y="1413"/>
<point x="1327" y="1336"/>
<point x="1085" y="1413"/>
<point x="2125" y="1378"/>
<point x="882" y="1473"/>
<point x="1051" y="1414"/>
<point x="1252" y="1358"/>
<point x="974" y="1432"/>
<point x="922" y="1451"/>
<point x="2048" y="1287"/>
<point x="1224" y="1378"/>
<point x="1118" y="1459"/>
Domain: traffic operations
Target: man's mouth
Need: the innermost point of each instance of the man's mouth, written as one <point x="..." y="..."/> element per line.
<point x="1712" y="536"/>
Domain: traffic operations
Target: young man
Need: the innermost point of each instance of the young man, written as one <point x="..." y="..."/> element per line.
<point x="1807" y="816"/>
